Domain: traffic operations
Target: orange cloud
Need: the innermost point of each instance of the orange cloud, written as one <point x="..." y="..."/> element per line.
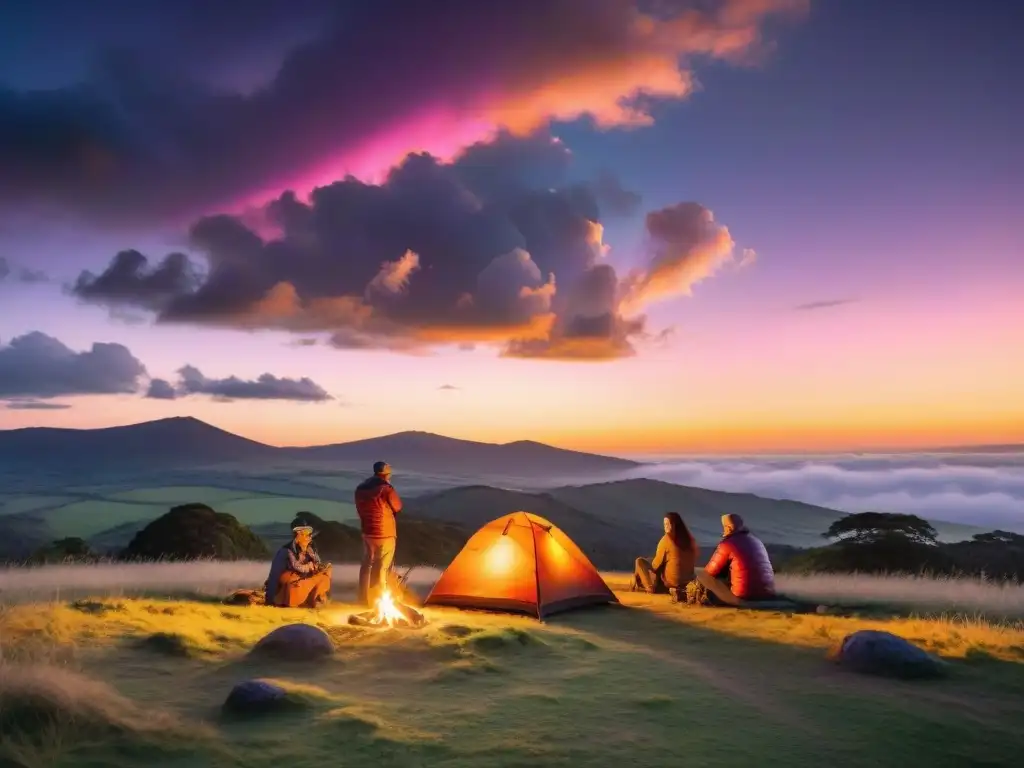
<point x="688" y="246"/>
<point x="617" y="59"/>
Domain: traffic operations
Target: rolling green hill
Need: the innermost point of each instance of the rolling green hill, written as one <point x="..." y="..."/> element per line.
<point x="613" y="522"/>
<point x="641" y="503"/>
<point x="609" y="543"/>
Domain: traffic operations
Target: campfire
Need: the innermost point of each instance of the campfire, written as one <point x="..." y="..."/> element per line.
<point x="389" y="612"/>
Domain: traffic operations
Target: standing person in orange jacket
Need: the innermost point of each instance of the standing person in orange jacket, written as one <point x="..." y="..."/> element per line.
<point x="377" y="503"/>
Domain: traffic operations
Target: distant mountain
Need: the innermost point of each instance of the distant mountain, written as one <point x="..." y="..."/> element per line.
<point x="181" y="442"/>
<point x="169" y="442"/>
<point x="20" y="536"/>
<point x="644" y="502"/>
<point x="427" y="452"/>
<point x="616" y="522"/>
<point x="996" y="448"/>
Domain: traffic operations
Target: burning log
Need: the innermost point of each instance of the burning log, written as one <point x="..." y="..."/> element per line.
<point x="388" y="612"/>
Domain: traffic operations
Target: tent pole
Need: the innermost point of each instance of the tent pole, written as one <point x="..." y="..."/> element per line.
<point x="536" y="568"/>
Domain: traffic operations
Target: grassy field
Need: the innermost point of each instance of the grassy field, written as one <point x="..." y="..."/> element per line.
<point x="647" y="683"/>
<point x="89" y="512"/>
<point x="16" y="505"/>
<point x="177" y="494"/>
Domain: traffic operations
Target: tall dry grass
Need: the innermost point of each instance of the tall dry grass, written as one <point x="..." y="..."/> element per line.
<point x="45" y="709"/>
<point x="203" y="577"/>
<point x="963" y="595"/>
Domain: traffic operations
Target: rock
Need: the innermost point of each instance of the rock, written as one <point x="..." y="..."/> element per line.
<point x="251" y="697"/>
<point x="882" y="653"/>
<point x="295" y="641"/>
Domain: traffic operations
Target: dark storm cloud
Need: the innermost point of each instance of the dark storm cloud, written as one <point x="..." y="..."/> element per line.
<point x="149" y="134"/>
<point x="30" y="276"/>
<point x="37" y="366"/>
<point x="21" y="274"/>
<point x="828" y="304"/>
<point x="35" y="405"/>
<point x="439" y="253"/>
<point x="160" y="389"/>
<point x="191" y="381"/>
<point x="129" y="281"/>
<point x="613" y="197"/>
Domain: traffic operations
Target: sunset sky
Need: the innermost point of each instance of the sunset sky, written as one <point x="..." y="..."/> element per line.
<point x="625" y="226"/>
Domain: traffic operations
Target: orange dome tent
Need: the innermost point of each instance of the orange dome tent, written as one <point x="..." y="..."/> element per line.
<point x="520" y="563"/>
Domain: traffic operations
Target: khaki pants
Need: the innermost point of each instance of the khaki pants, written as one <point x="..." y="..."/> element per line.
<point x="646" y="578"/>
<point x="378" y="555"/>
<point x="717" y="587"/>
<point x="302" y="592"/>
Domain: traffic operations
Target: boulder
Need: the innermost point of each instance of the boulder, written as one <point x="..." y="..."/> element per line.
<point x="295" y="641"/>
<point x="251" y="697"/>
<point x="882" y="653"/>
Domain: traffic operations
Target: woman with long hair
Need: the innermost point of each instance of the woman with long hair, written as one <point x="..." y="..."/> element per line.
<point x="673" y="564"/>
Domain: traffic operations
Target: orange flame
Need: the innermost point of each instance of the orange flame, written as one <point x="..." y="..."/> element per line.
<point x="387" y="612"/>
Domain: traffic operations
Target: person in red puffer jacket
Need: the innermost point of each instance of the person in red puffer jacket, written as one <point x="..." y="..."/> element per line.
<point x="377" y="503"/>
<point x="750" y="574"/>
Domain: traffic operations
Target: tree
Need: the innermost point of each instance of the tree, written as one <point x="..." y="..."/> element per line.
<point x="62" y="550"/>
<point x="421" y="541"/>
<point x="999" y="537"/>
<point x="873" y="527"/>
<point x="194" y="531"/>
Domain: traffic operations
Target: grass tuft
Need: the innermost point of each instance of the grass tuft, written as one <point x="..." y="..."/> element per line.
<point x="297" y="698"/>
<point x="505" y="639"/>
<point x="172" y="644"/>
<point x="45" y="707"/>
<point x="656" y="701"/>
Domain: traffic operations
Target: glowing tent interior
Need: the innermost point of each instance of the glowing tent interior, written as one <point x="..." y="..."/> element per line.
<point x="520" y="563"/>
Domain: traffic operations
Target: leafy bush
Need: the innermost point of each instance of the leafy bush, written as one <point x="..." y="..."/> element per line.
<point x="71" y="549"/>
<point x="420" y="541"/>
<point x="194" y="531"/>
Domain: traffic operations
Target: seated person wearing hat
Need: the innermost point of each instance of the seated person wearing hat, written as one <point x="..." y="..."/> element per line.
<point x="298" y="579"/>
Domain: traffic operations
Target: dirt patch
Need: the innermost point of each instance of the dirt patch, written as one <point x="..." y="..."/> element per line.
<point x="97" y="607"/>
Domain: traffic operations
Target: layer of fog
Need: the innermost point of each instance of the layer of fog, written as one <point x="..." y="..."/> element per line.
<point x="985" y="490"/>
<point x="205" y="577"/>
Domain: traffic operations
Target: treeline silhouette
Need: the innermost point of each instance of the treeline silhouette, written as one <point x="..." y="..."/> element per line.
<point x="867" y="542"/>
<point x="878" y="542"/>
<point x="197" y="531"/>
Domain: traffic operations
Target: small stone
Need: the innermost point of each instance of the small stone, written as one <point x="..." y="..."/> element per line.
<point x="255" y="697"/>
<point x="295" y="641"/>
<point x="874" y="652"/>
